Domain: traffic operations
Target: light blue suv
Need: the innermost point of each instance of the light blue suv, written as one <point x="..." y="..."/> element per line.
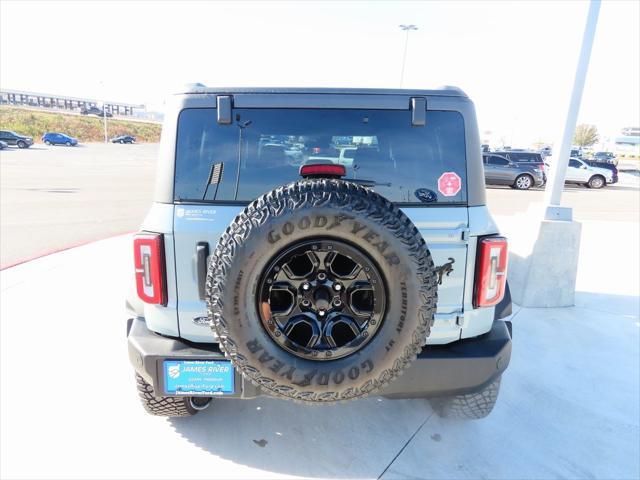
<point x="257" y="272"/>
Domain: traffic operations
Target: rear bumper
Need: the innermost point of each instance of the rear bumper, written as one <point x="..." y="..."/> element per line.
<point x="465" y="366"/>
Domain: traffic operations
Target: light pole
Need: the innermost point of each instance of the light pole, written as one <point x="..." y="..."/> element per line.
<point x="546" y="263"/>
<point x="553" y="192"/>
<point x="104" y="113"/>
<point x="407" y="29"/>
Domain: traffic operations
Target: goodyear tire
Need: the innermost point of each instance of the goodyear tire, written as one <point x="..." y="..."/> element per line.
<point x="343" y="343"/>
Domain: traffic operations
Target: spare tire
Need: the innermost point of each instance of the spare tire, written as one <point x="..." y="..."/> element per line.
<point x="321" y="290"/>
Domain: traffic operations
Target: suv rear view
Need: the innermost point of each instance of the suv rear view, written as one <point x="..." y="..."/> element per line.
<point x="271" y="262"/>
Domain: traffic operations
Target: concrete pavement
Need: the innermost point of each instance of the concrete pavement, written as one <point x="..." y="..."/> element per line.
<point x="569" y="405"/>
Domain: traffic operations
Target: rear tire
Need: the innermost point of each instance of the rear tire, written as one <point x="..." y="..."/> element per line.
<point x="471" y="406"/>
<point x="47" y="142"/>
<point x="597" y="181"/>
<point x="523" y="182"/>
<point x="167" y="406"/>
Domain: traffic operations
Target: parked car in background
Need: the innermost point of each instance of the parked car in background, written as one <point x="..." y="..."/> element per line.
<point x="13" y="138"/>
<point x="94" y="111"/>
<point x="546" y="151"/>
<point x="3" y="145"/>
<point x="606" y="165"/>
<point x="605" y="157"/>
<point x="576" y="153"/>
<point x="581" y="173"/>
<point x="525" y="158"/>
<point x="498" y="170"/>
<point x="123" y="139"/>
<point x="53" y="138"/>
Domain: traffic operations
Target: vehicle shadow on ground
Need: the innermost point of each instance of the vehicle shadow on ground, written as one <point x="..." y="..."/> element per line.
<point x="358" y="439"/>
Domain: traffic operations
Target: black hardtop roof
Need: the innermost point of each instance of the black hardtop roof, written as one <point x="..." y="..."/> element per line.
<point x="444" y="91"/>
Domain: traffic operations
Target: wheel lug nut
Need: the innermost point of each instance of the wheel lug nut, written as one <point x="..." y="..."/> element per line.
<point x="321" y="313"/>
<point x="337" y="287"/>
<point x="337" y="302"/>
<point x="306" y="303"/>
<point x="306" y="286"/>
<point x="322" y="276"/>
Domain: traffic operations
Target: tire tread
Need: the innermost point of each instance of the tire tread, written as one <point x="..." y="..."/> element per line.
<point x="162" y="406"/>
<point x="469" y="406"/>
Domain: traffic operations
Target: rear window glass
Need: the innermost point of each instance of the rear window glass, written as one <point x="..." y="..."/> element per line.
<point x="264" y="148"/>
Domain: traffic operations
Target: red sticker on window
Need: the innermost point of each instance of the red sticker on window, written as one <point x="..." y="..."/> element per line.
<point x="449" y="184"/>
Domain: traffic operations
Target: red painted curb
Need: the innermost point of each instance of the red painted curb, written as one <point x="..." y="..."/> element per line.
<point x="62" y="249"/>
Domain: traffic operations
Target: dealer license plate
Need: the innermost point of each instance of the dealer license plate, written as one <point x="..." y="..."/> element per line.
<point x="198" y="377"/>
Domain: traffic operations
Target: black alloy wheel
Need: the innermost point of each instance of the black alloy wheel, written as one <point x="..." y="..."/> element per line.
<point x="322" y="299"/>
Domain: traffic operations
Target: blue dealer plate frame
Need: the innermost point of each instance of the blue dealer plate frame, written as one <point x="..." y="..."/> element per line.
<point x="198" y="377"/>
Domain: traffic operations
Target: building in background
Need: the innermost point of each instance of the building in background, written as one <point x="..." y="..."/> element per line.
<point x="47" y="101"/>
<point x="628" y="144"/>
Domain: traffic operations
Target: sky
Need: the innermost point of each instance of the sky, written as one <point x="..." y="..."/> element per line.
<point x="516" y="60"/>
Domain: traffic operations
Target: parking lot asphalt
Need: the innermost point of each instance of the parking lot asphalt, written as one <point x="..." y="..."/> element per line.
<point x="55" y="197"/>
<point x="52" y="197"/>
<point x="568" y="407"/>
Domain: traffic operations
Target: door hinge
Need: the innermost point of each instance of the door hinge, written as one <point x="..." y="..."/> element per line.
<point x="224" y="108"/>
<point x="418" y="111"/>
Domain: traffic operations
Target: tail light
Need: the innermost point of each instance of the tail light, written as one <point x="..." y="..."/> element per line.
<point x="323" y="169"/>
<point x="148" y="252"/>
<point x="491" y="271"/>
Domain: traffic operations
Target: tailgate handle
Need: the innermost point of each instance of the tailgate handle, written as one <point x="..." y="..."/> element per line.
<point x="202" y="253"/>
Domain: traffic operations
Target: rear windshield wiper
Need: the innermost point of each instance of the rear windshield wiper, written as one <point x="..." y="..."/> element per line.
<point x="367" y="183"/>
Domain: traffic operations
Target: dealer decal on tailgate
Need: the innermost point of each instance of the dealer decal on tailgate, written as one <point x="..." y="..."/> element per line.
<point x="198" y="377"/>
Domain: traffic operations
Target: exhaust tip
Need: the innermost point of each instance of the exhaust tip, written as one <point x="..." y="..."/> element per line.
<point x="200" y="403"/>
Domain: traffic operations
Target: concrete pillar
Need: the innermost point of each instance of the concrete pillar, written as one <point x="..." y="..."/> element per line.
<point x="543" y="261"/>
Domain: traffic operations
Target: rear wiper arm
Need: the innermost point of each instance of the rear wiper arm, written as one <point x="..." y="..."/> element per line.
<point x="368" y="183"/>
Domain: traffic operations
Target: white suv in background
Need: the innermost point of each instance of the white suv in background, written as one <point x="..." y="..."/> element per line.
<point x="592" y="177"/>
